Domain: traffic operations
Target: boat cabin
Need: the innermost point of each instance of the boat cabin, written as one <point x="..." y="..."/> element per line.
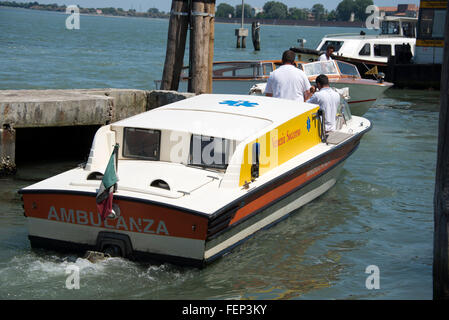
<point x="395" y="32"/>
<point x="399" y="26"/>
<point x="223" y="134"/>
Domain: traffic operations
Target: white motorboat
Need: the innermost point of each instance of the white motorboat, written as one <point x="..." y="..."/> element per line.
<point x="195" y="178"/>
<point x="238" y="77"/>
<point x="362" y="92"/>
<point x="397" y="37"/>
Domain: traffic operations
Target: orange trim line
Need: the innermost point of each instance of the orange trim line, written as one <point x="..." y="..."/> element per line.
<point x="282" y="190"/>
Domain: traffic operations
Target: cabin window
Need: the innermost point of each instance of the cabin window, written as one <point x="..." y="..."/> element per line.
<point x="382" y="50"/>
<point x="337" y="45"/>
<point x="366" y="50"/>
<point x="141" y="143"/>
<point x="390" y="27"/>
<point x="408" y="28"/>
<point x="432" y="23"/>
<point x="348" y="69"/>
<point x="209" y="152"/>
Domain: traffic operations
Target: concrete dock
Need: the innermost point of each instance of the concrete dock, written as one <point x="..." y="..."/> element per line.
<point x="21" y="109"/>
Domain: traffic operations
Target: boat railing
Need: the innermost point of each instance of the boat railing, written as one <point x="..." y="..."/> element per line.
<point x="153" y="191"/>
<point x="366" y="36"/>
<point x="340" y="35"/>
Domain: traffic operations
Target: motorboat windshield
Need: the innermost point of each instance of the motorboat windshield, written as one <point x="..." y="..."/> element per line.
<point x="332" y="67"/>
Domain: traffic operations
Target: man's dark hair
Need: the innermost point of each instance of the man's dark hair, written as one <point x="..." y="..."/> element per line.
<point x="288" y="57"/>
<point x="322" y="79"/>
<point x="331" y="47"/>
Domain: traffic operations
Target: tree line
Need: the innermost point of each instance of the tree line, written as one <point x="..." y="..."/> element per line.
<point x="280" y="11"/>
<point x="271" y="10"/>
<point x="151" y="13"/>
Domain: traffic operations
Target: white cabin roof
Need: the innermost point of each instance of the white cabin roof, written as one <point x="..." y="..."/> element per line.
<point x="233" y="117"/>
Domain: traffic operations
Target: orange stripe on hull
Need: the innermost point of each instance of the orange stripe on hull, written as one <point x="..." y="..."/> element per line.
<point x="281" y="190"/>
<point x="134" y="216"/>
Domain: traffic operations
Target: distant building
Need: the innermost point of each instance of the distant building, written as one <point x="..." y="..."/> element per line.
<point x="402" y="10"/>
<point x="98" y="11"/>
<point x="352" y="18"/>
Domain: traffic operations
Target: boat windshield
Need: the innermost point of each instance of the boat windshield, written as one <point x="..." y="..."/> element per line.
<point x="320" y="67"/>
<point x="348" y="69"/>
<point x="141" y="143"/>
<point x="210" y="152"/>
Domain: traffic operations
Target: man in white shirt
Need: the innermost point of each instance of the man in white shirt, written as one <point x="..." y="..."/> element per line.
<point x="328" y="100"/>
<point x="327" y="55"/>
<point x="288" y="81"/>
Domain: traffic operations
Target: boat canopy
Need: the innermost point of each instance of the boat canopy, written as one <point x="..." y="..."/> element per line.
<point x="233" y="117"/>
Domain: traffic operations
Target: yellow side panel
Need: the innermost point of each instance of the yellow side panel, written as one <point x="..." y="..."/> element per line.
<point x="282" y="144"/>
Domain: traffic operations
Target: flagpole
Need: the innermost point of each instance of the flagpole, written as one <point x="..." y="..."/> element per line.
<point x="116" y="162"/>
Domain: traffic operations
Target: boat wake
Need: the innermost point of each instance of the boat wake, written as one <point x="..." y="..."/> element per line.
<point x="36" y="275"/>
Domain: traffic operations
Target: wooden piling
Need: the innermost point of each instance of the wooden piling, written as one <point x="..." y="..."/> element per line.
<point x="177" y="33"/>
<point x="199" y="51"/>
<point x="441" y="198"/>
<point x="211" y="10"/>
<point x="255" y="32"/>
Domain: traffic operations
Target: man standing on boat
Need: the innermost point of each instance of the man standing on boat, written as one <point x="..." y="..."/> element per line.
<point x="288" y="81"/>
<point x="328" y="100"/>
<point x="327" y="55"/>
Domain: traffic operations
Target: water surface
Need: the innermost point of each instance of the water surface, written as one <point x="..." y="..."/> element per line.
<point x="379" y="213"/>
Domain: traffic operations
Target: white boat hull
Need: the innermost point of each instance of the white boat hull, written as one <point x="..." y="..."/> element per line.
<point x="362" y="96"/>
<point x="272" y="215"/>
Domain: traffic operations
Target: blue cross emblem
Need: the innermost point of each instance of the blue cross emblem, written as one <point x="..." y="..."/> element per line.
<point x="239" y="103"/>
<point x="308" y="124"/>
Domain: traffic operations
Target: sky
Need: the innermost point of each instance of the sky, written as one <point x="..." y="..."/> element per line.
<point x="165" y="5"/>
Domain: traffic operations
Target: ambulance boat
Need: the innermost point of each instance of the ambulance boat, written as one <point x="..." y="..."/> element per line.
<point x="195" y="178"/>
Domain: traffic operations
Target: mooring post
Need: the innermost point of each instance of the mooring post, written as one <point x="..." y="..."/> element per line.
<point x="176" y="43"/>
<point x="199" y="49"/>
<point x="241" y="32"/>
<point x="211" y="10"/>
<point x="255" y="28"/>
<point x="7" y="150"/>
<point x="441" y="198"/>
